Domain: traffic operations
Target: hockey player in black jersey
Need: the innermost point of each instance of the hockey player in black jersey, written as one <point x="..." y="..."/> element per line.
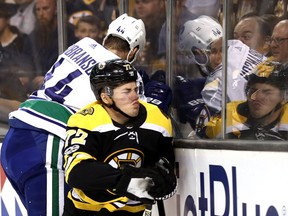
<point x="118" y="153"/>
<point x="263" y="116"/>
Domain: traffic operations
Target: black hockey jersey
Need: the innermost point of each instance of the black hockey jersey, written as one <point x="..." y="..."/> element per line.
<point x="96" y="146"/>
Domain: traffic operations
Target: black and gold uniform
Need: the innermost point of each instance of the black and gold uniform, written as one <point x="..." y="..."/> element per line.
<point x="241" y="126"/>
<point x="263" y="116"/>
<point x="95" y="148"/>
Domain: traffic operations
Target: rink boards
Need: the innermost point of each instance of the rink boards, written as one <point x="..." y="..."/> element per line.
<point x="212" y="182"/>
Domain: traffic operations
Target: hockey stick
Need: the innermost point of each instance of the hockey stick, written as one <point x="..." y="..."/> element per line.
<point x="148" y="210"/>
<point x="161" y="209"/>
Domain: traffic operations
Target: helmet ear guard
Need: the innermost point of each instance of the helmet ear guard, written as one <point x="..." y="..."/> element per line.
<point x="200" y="56"/>
<point x="108" y="90"/>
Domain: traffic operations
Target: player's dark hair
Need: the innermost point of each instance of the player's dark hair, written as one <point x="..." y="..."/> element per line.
<point x="116" y="43"/>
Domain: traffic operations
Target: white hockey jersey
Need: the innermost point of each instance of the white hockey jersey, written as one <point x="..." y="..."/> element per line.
<point x="66" y="88"/>
<point x="240" y="62"/>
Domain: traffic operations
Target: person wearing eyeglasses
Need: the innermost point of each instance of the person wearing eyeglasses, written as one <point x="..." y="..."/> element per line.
<point x="279" y="42"/>
<point x="263" y="116"/>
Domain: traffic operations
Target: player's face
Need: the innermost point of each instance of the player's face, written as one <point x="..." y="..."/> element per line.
<point x="215" y="53"/>
<point x="262" y="99"/>
<point x="126" y="98"/>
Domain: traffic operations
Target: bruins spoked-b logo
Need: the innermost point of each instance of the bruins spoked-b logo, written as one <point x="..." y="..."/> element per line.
<point x="130" y="156"/>
<point x="88" y="111"/>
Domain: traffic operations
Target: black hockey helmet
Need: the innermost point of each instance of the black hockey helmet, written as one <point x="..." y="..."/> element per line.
<point x="269" y="72"/>
<point x="110" y="74"/>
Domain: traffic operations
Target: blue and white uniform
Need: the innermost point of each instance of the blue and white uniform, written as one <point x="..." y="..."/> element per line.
<point x="66" y="86"/>
<point x="31" y="151"/>
<point x="240" y="62"/>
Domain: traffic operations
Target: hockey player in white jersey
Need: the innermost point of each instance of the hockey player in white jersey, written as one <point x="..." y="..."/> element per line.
<point x="31" y="151"/>
<point x="199" y="39"/>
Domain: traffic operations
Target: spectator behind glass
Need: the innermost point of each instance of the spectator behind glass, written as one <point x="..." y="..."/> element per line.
<point x="88" y="26"/>
<point x="204" y="7"/>
<point x="109" y="10"/>
<point x="279" y="42"/>
<point x="246" y="6"/>
<point x="42" y="43"/>
<point x="255" y="32"/>
<point x="25" y="18"/>
<point x="182" y="14"/>
<point x="263" y="116"/>
<point x="106" y="10"/>
<point x="78" y="8"/>
<point x="153" y="14"/>
<point x="14" y="74"/>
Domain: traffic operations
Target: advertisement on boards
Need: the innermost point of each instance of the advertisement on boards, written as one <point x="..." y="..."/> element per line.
<point x="230" y="183"/>
<point x="211" y="183"/>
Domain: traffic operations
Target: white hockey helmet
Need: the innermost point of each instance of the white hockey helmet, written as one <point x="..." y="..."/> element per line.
<point x="196" y="35"/>
<point x="129" y="29"/>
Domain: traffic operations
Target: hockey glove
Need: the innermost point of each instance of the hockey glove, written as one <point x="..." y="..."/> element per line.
<point x="159" y="75"/>
<point x="144" y="76"/>
<point x="135" y="183"/>
<point x="166" y="182"/>
<point x="159" y="94"/>
<point x="189" y="102"/>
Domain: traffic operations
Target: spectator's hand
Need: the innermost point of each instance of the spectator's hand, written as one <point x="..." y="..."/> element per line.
<point x="165" y="185"/>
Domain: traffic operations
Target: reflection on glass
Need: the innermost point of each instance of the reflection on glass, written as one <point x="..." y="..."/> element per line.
<point x="263" y="115"/>
<point x="252" y="24"/>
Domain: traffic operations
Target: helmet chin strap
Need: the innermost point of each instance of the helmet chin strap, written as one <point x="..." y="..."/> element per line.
<point x="113" y="106"/>
<point x="127" y="58"/>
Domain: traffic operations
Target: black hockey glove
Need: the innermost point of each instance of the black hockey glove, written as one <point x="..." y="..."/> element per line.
<point x="165" y="185"/>
<point x="135" y="183"/>
<point x="159" y="94"/>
